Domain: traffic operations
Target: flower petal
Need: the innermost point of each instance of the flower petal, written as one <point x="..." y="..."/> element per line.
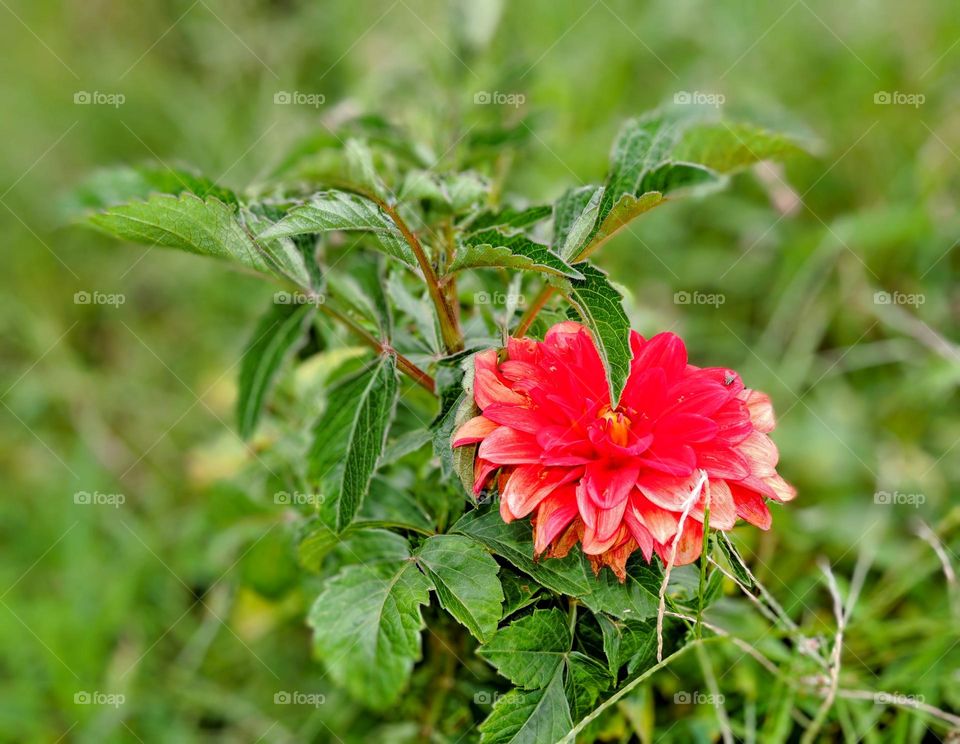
<point x="488" y="388"/>
<point x="553" y="515"/>
<point x="473" y="431"/>
<point x="507" y="446"/>
<point x="528" y="485"/>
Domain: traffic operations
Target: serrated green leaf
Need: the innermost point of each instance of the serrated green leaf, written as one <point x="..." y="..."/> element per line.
<point x="637" y="597"/>
<point x="207" y="227"/>
<point x="454" y="192"/>
<point x="464" y="576"/>
<point x="360" y="168"/>
<point x="538" y="717"/>
<point x="529" y="650"/>
<point x="357" y="544"/>
<point x="575" y="214"/>
<point x="490" y="248"/>
<point x="340" y="210"/>
<point x="111" y="186"/>
<point x="727" y="147"/>
<point x="514" y="542"/>
<point x="629" y="643"/>
<point x="276" y="336"/>
<point x="405" y="444"/>
<point x="585" y="679"/>
<point x="601" y="307"/>
<point x="519" y="591"/>
<point x="351" y="434"/>
<point x="454" y="383"/>
<point x="366" y="625"/>
<point x="507" y="218"/>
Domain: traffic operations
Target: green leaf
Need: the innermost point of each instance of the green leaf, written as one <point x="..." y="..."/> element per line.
<point x="111" y="186"/>
<point x="454" y="380"/>
<point x="351" y="435"/>
<point x="574" y="217"/>
<point x="537" y="717"/>
<point x="207" y="227"/>
<point x="601" y="307"/>
<point x="586" y="678"/>
<point x="366" y="626"/>
<point x="276" y="336"/>
<point x="529" y="650"/>
<point x="494" y="249"/>
<point x="464" y="576"/>
<point x="519" y="591"/>
<point x="727" y="147"/>
<point x="454" y="192"/>
<point x="514" y="542"/>
<point x="629" y="643"/>
<point x="340" y="210"/>
<point x="507" y="218"/>
<point x="405" y="444"/>
<point x="637" y="597"/>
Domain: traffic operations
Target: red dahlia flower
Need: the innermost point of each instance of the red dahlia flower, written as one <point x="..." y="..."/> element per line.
<point x="621" y="478"/>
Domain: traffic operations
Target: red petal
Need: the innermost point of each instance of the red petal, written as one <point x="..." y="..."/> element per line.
<point x="723" y="510"/>
<point x="553" y="516"/>
<point x="689" y="547"/>
<point x="661" y="523"/>
<point x="752" y="507"/>
<point x="686" y="427"/>
<point x="473" y="431"/>
<point x="668" y="491"/>
<point x="506" y="446"/>
<point x="609" y="486"/>
<point x="487" y="386"/>
<point x="665" y="350"/>
<point x="530" y="484"/>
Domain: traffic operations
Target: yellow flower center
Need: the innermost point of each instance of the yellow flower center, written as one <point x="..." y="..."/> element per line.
<point x="617" y="425"/>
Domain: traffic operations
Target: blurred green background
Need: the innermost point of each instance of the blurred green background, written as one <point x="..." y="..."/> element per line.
<point x="184" y="598"/>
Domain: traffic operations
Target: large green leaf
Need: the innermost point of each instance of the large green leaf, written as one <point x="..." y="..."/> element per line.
<point x="366" y="625"/>
<point x="538" y="717"/>
<point x="491" y="248"/>
<point x="350" y="436"/>
<point x="340" y="210"/>
<point x="274" y="339"/>
<point x="635" y="598"/>
<point x="629" y="643"/>
<point x="464" y="576"/>
<point x="585" y="679"/>
<point x="204" y="226"/>
<point x="575" y="214"/>
<point x="601" y="307"/>
<point x="507" y="218"/>
<point x="111" y="186"/>
<point x="727" y="147"/>
<point x="529" y="651"/>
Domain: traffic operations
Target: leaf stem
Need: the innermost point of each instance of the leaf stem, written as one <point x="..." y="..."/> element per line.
<point x="404" y="364"/>
<point x="449" y="326"/>
<point x="697" y="629"/>
<point x="531" y="313"/>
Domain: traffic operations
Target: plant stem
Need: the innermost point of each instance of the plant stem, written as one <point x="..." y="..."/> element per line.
<point x="404" y="364"/>
<point x="531" y="313"/>
<point x="703" y="565"/>
<point x="449" y="326"/>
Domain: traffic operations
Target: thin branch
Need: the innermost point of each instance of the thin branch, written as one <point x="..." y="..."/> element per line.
<point x="403" y="364"/>
<point x="714" y="688"/>
<point x="533" y="310"/>
<point x="810" y="734"/>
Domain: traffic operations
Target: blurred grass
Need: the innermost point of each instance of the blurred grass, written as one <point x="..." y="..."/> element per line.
<point x="137" y="399"/>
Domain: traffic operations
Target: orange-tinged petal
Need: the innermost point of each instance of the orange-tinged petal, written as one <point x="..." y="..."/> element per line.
<point x="761" y="411"/>
<point x="473" y="431"/>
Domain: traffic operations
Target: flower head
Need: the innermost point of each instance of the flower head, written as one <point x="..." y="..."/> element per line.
<point x="637" y="475"/>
